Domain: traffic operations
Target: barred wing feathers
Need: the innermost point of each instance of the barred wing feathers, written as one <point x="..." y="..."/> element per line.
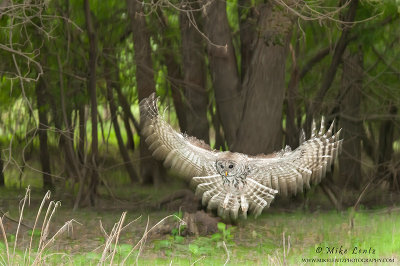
<point x="292" y="171"/>
<point x="286" y="172"/>
<point x="228" y="201"/>
<point x="185" y="154"/>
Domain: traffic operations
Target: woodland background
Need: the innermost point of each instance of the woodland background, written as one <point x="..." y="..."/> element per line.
<point x="241" y="75"/>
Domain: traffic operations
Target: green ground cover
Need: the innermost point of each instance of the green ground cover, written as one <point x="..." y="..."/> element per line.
<point x="276" y="237"/>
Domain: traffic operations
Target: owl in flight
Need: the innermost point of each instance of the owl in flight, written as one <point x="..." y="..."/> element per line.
<point x="235" y="183"/>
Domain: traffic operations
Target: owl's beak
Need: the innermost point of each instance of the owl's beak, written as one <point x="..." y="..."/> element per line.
<point x="226" y="173"/>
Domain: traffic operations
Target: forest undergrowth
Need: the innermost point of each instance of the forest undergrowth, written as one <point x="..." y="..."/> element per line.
<point x="39" y="231"/>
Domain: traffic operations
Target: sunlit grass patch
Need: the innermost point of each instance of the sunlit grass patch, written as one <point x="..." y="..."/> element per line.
<point x="275" y="238"/>
<point x="376" y="234"/>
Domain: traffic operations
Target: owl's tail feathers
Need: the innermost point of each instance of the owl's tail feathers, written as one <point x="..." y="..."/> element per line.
<point x="230" y="204"/>
<point x="229" y="207"/>
<point x="215" y="197"/>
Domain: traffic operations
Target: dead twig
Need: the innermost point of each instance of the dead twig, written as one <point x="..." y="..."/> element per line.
<point x="228" y="257"/>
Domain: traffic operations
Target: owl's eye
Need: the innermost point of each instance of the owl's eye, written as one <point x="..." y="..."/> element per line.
<point x="231" y="166"/>
<point x="222" y="166"/>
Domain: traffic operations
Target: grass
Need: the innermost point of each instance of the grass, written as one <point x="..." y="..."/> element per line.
<point x="109" y="235"/>
<point x="93" y="236"/>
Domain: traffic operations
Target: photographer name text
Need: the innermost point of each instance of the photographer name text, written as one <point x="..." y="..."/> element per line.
<point x="344" y="251"/>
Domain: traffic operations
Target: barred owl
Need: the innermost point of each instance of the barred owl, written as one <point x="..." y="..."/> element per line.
<point x="234" y="183"/>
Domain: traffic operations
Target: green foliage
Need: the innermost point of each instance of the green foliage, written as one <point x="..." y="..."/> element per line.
<point x="175" y="240"/>
<point x="194" y="249"/>
<point x="90" y="257"/>
<point x="225" y="233"/>
<point x="232" y="13"/>
<point x="256" y="241"/>
<point x="34" y="233"/>
<point x="11" y="238"/>
<point x="55" y="37"/>
<point x="163" y="244"/>
<point x="2" y="248"/>
<point x="123" y="249"/>
<point x="58" y="42"/>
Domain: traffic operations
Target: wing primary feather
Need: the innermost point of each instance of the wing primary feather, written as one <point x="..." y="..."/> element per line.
<point x="151" y="138"/>
<point x="175" y="161"/>
<point x="337" y="135"/>
<point x="287" y="171"/>
<point x="169" y="145"/>
<point x="329" y="132"/>
<point x="168" y="159"/>
<point x="160" y="152"/>
<point x="313" y="130"/>
<point x="302" y="137"/>
<point x="147" y="129"/>
<point x="322" y="128"/>
<point x="155" y="144"/>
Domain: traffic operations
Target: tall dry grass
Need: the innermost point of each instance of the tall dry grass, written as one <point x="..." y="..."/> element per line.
<point x="36" y="254"/>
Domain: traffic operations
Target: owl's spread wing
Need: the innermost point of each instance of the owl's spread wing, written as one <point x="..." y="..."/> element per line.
<point x="186" y="155"/>
<point x="286" y="172"/>
<point x="290" y="171"/>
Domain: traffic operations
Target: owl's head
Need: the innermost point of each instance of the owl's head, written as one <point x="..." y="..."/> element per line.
<point x="230" y="165"/>
<point x="226" y="167"/>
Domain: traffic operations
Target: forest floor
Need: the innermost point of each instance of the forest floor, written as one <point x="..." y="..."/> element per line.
<point x="287" y="233"/>
<point x="276" y="237"/>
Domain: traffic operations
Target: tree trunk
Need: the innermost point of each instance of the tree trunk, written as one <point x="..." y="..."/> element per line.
<point x="385" y="144"/>
<point x="223" y="68"/>
<point x="2" y="183"/>
<point x="122" y="99"/>
<point x="247" y="27"/>
<point x="176" y="91"/>
<point x="351" y="91"/>
<point x="260" y="129"/>
<point x="82" y="133"/>
<point x="91" y="85"/>
<point x="196" y="97"/>
<point x="130" y="143"/>
<point x="100" y="122"/>
<point x="126" y="107"/>
<point x="72" y="164"/>
<point x="114" y="118"/>
<point x="219" y="139"/>
<point x="60" y="116"/>
<point x="43" y="125"/>
<point x="174" y="69"/>
<point x="150" y="172"/>
<point x="292" y="131"/>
